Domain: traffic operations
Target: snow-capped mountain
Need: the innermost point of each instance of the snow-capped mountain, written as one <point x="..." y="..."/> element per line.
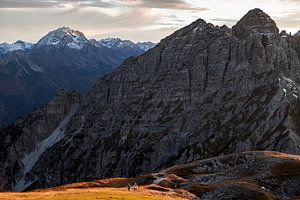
<point x="67" y="37"/>
<point x="116" y="43"/>
<point x="62" y="37"/>
<point x="5" y="48"/>
<point x="145" y="46"/>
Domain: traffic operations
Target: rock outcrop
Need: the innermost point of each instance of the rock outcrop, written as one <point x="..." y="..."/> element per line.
<point x="203" y="91"/>
<point x="248" y="175"/>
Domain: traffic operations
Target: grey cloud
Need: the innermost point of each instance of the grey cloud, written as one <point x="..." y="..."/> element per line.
<point x="173" y="16"/>
<point x="140" y="35"/>
<point x="20" y="25"/>
<point x="178" y="20"/>
<point x="132" y="23"/>
<point x="289" y="21"/>
<point x="170" y="4"/>
<point x="166" y="4"/>
<point x="223" y="20"/>
<point x="167" y="24"/>
<point x="94" y="4"/>
<point x="52" y="3"/>
<point x="25" y="4"/>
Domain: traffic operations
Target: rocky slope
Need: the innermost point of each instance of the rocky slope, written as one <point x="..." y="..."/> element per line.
<point x="31" y="75"/>
<point x="201" y="92"/>
<point x="248" y="175"/>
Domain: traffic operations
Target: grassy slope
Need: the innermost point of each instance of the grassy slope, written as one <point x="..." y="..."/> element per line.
<point x="90" y="194"/>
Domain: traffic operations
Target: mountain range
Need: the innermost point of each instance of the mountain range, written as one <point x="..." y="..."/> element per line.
<point x="32" y="74"/>
<point x="204" y="91"/>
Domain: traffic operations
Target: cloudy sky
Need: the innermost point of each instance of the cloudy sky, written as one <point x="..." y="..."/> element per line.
<point x="138" y="20"/>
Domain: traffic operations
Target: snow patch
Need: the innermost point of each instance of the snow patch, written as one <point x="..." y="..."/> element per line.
<point x="284" y="90"/>
<point x="289" y="87"/>
<point x="195" y="29"/>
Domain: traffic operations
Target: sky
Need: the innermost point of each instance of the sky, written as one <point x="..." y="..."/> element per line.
<point x="137" y="20"/>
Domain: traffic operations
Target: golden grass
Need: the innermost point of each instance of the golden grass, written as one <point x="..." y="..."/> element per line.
<point x="91" y="194"/>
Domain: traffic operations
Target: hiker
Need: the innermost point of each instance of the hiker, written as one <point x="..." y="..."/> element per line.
<point x="135" y="187"/>
<point x="129" y="187"/>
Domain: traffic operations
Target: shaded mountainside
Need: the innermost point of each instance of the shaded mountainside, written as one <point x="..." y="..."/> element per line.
<point x="201" y="92"/>
<point x="31" y="76"/>
<point x="248" y="175"/>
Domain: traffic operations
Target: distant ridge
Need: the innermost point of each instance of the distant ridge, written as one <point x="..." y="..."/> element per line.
<point x="65" y="36"/>
<point x="32" y="74"/>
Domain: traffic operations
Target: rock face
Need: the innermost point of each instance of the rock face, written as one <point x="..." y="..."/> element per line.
<point x="201" y="92"/>
<point x="64" y="58"/>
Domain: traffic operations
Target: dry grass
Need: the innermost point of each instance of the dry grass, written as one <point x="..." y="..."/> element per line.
<point x="111" y="183"/>
<point x="91" y="194"/>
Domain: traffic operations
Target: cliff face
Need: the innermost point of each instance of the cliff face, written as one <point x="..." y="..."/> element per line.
<point x="201" y="92"/>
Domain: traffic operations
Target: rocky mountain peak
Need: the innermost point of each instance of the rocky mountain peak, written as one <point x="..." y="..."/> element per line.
<point x="255" y="21"/>
<point x="63" y="36"/>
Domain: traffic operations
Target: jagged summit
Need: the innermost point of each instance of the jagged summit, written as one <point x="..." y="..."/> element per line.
<point x="63" y="36"/>
<point x="255" y="21"/>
